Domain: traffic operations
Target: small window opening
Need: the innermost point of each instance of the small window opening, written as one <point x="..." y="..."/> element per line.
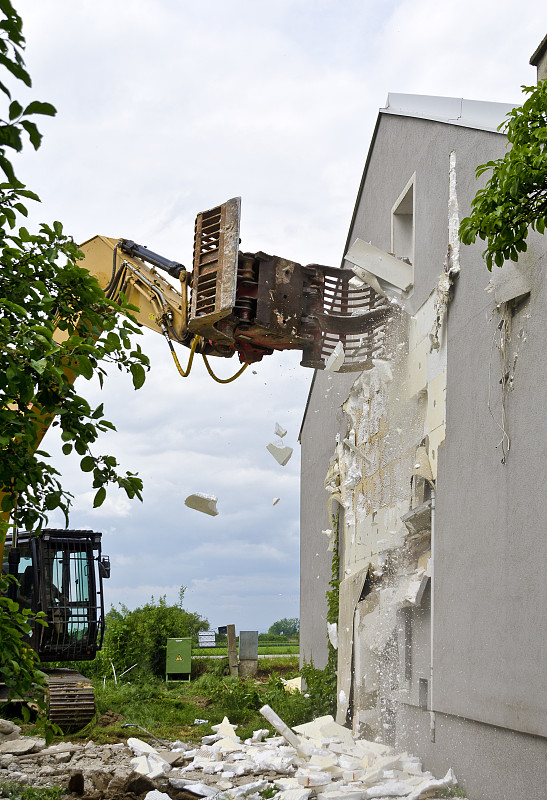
<point x="402" y="224"/>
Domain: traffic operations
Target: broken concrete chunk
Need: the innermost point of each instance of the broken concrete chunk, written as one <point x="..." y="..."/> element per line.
<point x="279" y="431"/>
<point x="206" y="503"/>
<point x="22" y="746"/>
<point x="138" y="784"/>
<point x="7" y="727"/>
<point x="62" y="748"/>
<point x="332" y="631"/>
<point x="173" y="757"/>
<point x="336" y="358"/>
<point x="280" y="453"/>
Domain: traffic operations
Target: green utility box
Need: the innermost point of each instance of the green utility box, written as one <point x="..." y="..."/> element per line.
<point x="178" y="662"/>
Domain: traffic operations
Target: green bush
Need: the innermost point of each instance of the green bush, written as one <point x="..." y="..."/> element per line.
<point x="135" y="641"/>
<point x="140" y="637"/>
<point x="16" y="791"/>
<point x="318" y="698"/>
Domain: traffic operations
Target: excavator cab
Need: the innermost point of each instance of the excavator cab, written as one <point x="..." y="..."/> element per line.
<point x="60" y="572"/>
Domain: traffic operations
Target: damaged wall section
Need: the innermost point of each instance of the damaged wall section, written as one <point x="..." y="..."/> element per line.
<point x="420" y="428"/>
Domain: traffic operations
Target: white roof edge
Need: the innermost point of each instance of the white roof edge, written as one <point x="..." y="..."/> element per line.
<point x="479" y="114"/>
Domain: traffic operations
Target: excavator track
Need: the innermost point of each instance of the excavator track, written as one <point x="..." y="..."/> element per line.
<point x="71" y="700"/>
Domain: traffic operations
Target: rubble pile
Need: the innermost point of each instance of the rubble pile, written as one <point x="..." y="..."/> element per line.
<point x="323" y="762"/>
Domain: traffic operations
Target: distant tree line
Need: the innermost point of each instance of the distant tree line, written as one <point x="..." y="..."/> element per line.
<point x="288" y="628"/>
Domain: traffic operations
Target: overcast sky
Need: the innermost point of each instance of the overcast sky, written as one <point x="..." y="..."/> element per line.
<point x="169" y="107"/>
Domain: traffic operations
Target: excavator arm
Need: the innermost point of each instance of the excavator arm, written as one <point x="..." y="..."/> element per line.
<point x="246" y="303"/>
<point x="233" y="302"/>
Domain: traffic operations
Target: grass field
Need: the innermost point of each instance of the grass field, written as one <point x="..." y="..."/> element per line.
<point x="187" y="710"/>
<point x="263" y="650"/>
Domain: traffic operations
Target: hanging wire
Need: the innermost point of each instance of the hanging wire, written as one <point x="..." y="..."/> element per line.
<point x="182" y="372"/>
<point x="185" y="372"/>
<point x="223" y="380"/>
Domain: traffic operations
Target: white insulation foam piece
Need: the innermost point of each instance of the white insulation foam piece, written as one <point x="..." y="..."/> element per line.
<point x="332" y="631"/>
<point x="336" y="358"/>
<point x="280" y="726"/>
<point x="155" y="794"/>
<point x="275" y="501"/>
<point x="279" y="431"/>
<point x="206" y="503"/>
<point x="139" y="747"/>
<point x="280" y="453"/>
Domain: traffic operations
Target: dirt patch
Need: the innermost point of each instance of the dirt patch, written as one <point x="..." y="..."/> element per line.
<point x="110" y="718"/>
<point x="199" y="702"/>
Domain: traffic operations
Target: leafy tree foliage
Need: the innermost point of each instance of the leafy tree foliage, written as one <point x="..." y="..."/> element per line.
<point x="18" y="663"/>
<point x="515" y="196"/>
<point x="288" y="627"/>
<point x="55" y="325"/>
<point x="140" y="636"/>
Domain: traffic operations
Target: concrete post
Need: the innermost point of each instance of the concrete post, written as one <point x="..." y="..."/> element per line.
<point x="232" y="651"/>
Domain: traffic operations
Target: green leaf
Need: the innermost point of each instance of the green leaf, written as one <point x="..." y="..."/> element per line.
<point x="85" y="367"/>
<point x="52" y="501"/>
<point x="36" y="107"/>
<point x="87" y="464"/>
<point x="5" y="90"/>
<point x="7" y="169"/>
<point x="16" y="69"/>
<point x="67" y="449"/>
<point x="33" y="133"/>
<point x="15" y="110"/>
<point x="139" y="375"/>
<point x="99" y="497"/>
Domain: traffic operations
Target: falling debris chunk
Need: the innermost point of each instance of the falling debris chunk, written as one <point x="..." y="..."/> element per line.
<point x="275" y="501"/>
<point x="280" y="453"/>
<point x="206" y="503"/>
<point x="279" y="431"/>
<point x="336" y="358"/>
